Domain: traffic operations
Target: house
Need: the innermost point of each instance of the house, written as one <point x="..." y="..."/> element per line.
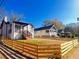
<point x="46" y="31"/>
<point x="60" y="32"/>
<point x="4" y="27"/>
<point x="63" y="33"/>
<point x="20" y="29"/>
<point x="0" y="31"/>
<point x="16" y="29"/>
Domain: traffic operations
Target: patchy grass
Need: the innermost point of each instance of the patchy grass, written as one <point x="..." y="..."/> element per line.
<point x="42" y="41"/>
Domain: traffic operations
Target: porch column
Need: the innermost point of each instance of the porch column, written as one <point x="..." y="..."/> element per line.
<point x="13" y="30"/>
<point x="21" y="31"/>
<point x="50" y="33"/>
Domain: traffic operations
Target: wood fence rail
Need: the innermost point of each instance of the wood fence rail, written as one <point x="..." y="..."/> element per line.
<point x="42" y="51"/>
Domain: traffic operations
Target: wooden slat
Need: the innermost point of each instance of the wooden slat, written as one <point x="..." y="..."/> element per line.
<point x="42" y="50"/>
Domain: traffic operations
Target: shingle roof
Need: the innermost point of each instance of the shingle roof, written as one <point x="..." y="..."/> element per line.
<point x="22" y="23"/>
<point x="4" y="22"/>
<point x="42" y="28"/>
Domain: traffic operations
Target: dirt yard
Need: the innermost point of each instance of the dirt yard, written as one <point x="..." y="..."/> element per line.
<point x="75" y="54"/>
<point x="2" y="57"/>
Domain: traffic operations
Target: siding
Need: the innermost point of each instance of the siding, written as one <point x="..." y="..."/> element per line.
<point x="44" y="33"/>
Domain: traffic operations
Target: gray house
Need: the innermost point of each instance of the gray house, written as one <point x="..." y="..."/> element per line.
<point x="4" y="28"/>
<point x="16" y="29"/>
<point x="46" y="31"/>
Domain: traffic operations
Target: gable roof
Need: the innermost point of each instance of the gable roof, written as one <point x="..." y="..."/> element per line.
<point x="22" y="23"/>
<point x="43" y="28"/>
<point x="3" y="22"/>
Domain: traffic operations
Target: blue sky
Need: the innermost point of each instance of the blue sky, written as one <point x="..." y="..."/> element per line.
<point x="36" y="11"/>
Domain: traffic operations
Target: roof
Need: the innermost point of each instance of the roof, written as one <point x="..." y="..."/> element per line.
<point x="4" y="22"/>
<point x="60" y="30"/>
<point x="42" y="28"/>
<point x="22" y="23"/>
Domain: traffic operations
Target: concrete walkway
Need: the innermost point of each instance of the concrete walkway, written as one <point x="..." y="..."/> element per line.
<point x="75" y="54"/>
<point x="1" y="56"/>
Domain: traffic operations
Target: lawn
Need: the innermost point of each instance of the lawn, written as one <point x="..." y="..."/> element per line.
<point x="45" y="47"/>
<point x="42" y="41"/>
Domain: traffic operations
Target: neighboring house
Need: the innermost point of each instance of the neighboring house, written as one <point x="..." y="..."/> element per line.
<point x="17" y="30"/>
<point x="46" y="31"/>
<point x="60" y="32"/>
<point x="63" y="33"/>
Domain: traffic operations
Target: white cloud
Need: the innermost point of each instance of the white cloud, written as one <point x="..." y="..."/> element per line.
<point x="75" y="6"/>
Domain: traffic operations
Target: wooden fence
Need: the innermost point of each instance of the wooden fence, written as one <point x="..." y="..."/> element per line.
<point x="42" y="51"/>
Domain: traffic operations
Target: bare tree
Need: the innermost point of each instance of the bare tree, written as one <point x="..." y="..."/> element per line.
<point x="47" y="22"/>
<point x="58" y="24"/>
<point x="15" y="16"/>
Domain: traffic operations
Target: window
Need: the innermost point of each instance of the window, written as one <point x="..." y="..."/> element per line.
<point x="54" y="28"/>
<point x="17" y="28"/>
<point x="47" y="31"/>
<point x="51" y="30"/>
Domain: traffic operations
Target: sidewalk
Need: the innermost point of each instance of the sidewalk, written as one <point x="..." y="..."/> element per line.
<point x="75" y="54"/>
<point x="2" y="57"/>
